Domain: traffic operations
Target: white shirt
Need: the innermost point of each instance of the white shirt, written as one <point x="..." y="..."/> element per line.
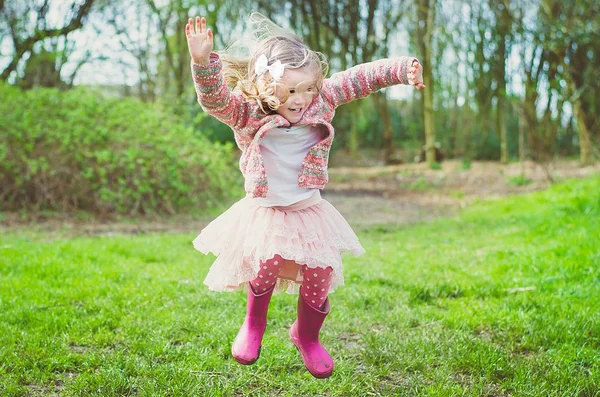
<point x="283" y="150"/>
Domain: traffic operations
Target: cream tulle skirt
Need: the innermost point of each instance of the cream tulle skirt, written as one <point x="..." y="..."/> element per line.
<point x="310" y="233"/>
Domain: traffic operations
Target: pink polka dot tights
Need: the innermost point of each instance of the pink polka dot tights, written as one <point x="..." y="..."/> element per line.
<point x="314" y="288"/>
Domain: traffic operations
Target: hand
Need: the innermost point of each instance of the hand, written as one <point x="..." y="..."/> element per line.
<point x="200" y="40"/>
<point x="415" y="75"/>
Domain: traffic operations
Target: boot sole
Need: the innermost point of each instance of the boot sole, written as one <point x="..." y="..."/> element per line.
<point x="246" y="362"/>
<point x="316" y="375"/>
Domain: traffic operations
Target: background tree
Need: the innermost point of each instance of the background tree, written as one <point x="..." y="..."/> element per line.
<point x="574" y="38"/>
<point x="494" y="70"/>
<point x="503" y="18"/>
<point x="17" y="17"/>
<point x="426" y="10"/>
<point x="348" y="32"/>
<point x="141" y="44"/>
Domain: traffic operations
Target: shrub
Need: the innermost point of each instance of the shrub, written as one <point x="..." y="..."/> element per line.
<point x="435" y="166"/>
<point x="520" y="180"/>
<point x="76" y="150"/>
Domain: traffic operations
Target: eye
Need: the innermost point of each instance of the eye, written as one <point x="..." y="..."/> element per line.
<point x="292" y="91"/>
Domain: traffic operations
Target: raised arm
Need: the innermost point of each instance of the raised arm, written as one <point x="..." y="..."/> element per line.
<point x="362" y="80"/>
<point x="211" y="89"/>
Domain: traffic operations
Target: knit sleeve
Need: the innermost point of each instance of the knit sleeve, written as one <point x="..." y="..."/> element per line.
<point x="365" y="79"/>
<point x="215" y="97"/>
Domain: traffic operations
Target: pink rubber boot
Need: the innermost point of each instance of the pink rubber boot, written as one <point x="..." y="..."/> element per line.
<point x="246" y="346"/>
<point x="305" y="335"/>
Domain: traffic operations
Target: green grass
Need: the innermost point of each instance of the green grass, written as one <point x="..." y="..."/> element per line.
<point x="502" y="300"/>
<point x="420" y="184"/>
<point x="520" y="180"/>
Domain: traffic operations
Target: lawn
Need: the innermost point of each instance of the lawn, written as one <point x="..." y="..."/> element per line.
<point x="500" y="300"/>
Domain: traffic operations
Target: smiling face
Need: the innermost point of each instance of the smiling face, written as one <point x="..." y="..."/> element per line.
<point x="302" y="87"/>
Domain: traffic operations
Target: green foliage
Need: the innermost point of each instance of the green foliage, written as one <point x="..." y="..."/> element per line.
<point x="213" y="129"/>
<point x="564" y="203"/>
<point x="520" y="180"/>
<point x="435" y="166"/>
<point x="466" y="165"/>
<point x="420" y="184"/>
<point x="359" y="124"/>
<point x="75" y="150"/>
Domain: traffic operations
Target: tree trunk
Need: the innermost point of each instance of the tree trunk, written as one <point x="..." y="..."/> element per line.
<point x="522" y="141"/>
<point x="381" y="103"/>
<point x="503" y="30"/>
<point x="585" y="143"/>
<point x="353" y="138"/>
<point x="467" y="147"/>
<point x="425" y="21"/>
<point x="455" y="125"/>
<point x="501" y="127"/>
<point x="428" y="118"/>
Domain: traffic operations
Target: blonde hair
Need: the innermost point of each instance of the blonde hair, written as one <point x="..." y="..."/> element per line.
<point x="277" y="44"/>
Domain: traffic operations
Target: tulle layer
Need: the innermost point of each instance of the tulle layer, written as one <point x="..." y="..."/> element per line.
<point x="311" y="233"/>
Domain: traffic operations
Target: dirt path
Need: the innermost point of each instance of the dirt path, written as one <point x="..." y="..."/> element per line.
<point x="412" y="192"/>
<point x="399" y="194"/>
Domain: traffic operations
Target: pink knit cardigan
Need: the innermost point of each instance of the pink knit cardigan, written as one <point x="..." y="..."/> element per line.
<point x="250" y="124"/>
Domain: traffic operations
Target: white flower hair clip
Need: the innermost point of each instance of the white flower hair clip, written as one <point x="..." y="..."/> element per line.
<point x="261" y="66"/>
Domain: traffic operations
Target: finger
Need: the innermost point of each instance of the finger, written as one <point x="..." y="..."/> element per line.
<point x="198" y="25"/>
<point x="209" y="34"/>
<point x="203" y="24"/>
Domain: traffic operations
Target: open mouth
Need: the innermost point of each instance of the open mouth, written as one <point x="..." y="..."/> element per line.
<point x="295" y="110"/>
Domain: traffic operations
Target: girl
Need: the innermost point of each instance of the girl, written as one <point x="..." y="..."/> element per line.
<point x="282" y="234"/>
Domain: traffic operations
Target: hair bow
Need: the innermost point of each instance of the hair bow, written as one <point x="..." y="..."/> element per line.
<point x="261" y="66"/>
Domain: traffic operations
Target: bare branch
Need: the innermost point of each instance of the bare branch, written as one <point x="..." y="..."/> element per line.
<point x="40" y="34"/>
